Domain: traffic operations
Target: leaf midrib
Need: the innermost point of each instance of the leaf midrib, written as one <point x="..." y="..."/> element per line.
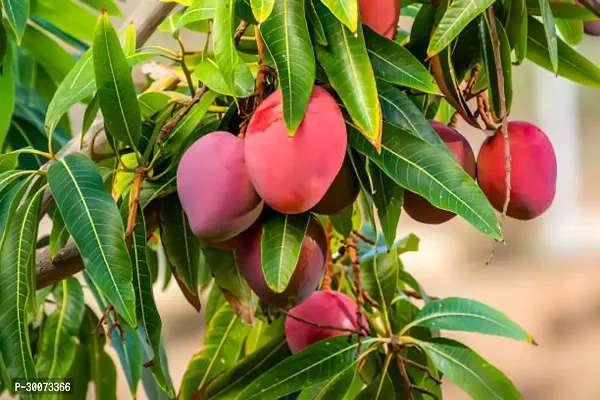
<point x="397" y="67"/>
<point x="218" y="351"/>
<point x="453" y="314"/>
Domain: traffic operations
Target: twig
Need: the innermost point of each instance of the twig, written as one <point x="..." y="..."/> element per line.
<point x="423" y="368"/>
<point x="424" y="391"/>
<point x="507" y="158"/>
<point x="592" y="5"/>
<point x="416" y="295"/>
<point x="405" y="379"/>
<point x="329" y="263"/>
<point x="354" y="255"/>
<point x="363" y="237"/>
<point x="323" y="326"/>
<point x="472" y="78"/>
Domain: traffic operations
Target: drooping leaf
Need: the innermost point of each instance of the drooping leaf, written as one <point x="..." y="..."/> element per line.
<point x="224" y="337"/>
<point x="394" y="64"/>
<point x="116" y="93"/>
<point x="262" y="9"/>
<point x="59" y="233"/>
<point x="7" y="88"/>
<point x="315" y="364"/>
<point x="208" y="72"/>
<point x="77" y="22"/>
<point x="455" y="19"/>
<point x="315" y="25"/>
<point x="281" y="241"/>
<point x="227" y="276"/>
<point x="571" y="64"/>
<point x="468" y="370"/>
<point x="16" y="257"/>
<point x="235" y="380"/>
<point x="455" y="313"/>
<point x="93" y="220"/>
<point x="181" y="246"/>
<point x="226" y="55"/>
<point x="550" y="29"/>
<point x="570" y="30"/>
<point x="11" y="193"/>
<point x="432" y="173"/>
<point x="17" y="13"/>
<point x="380" y="278"/>
<point x="293" y="54"/>
<point x="346" y="11"/>
<point x="199" y="11"/>
<point x="389" y="199"/>
<point x="61" y="329"/>
<point x="496" y="55"/>
<point x="347" y="65"/>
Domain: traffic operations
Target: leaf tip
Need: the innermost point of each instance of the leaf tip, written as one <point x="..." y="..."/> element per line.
<point x="103" y="9"/>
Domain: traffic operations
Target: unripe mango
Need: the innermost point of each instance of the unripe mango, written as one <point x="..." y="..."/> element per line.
<point x="533" y="170"/>
<point x="342" y="192"/>
<point x="214" y="188"/>
<point x="381" y="15"/>
<point x="324" y="307"/>
<point x="306" y="276"/>
<point x="417" y="206"/>
<point x="292" y="174"/>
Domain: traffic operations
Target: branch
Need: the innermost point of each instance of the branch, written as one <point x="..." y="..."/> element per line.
<point x="67" y="262"/>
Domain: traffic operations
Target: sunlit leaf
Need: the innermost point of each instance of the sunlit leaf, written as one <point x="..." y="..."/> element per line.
<point x="346" y="11"/>
<point x="78" y="22"/>
<point x="262" y="9"/>
<point x="7" y="88"/>
<point x="17" y="12"/>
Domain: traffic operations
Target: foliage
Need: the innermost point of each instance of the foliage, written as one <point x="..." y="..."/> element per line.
<point x="114" y="199"/>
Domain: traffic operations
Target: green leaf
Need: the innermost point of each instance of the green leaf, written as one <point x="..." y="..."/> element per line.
<point x="346" y="11"/>
<point x="79" y="372"/>
<point x="111" y="6"/>
<point x="314" y="23"/>
<point x="93" y="220"/>
<point x="129" y="41"/>
<point x="236" y="379"/>
<point x="146" y="310"/>
<point x="293" y="54"/>
<point x="563" y="9"/>
<point x="432" y="173"/>
<point x="380" y="278"/>
<point x="78" y="21"/>
<point x="468" y="370"/>
<point x="496" y="55"/>
<point x="227" y="276"/>
<point x="116" y="93"/>
<point x="571" y="64"/>
<point x="342" y="221"/>
<point x="347" y="65"/>
<point x="222" y="344"/>
<point x="199" y="11"/>
<point x="334" y="388"/>
<point x="317" y="363"/>
<point x="181" y="246"/>
<point x="17" y="12"/>
<point x="59" y="233"/>
<point x="550" y="29"/>
<point x="570" y="30"/>
<point x="281" y="241"/>
<point x="226" y="55"/>
<point x="262" y="9"/>
<point x="61" y="329"/>
<point x="7" y="88"/>
<point x="394" y="64"/>
<point x="208" y="72"/>
<point x="389" y="199"/>
<point x="454" y="20"/>
<point x="11" y="193"/>
<point x="17" y="257"/>
<point x="459" y="314"/>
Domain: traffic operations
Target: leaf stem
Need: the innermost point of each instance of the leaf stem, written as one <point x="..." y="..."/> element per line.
<point x="184" y="68"/>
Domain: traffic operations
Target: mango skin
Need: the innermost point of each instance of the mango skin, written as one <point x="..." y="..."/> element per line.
<point x="342" y="192"/>
<point x="214" y="188"/>
<point x="324" y="307"/>
<point x="533" y="171"/>
<point x="292" y="174"/>
<point x="306" y="276"/>
<point x="381" y="15"/>
<point x="417" y="206"/>
<point x="591" y="28"/>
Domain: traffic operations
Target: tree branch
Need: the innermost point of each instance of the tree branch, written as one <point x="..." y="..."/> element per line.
<point x="67" y="262"/>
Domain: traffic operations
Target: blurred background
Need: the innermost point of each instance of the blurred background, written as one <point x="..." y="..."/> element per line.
<point x="545" y="278"/>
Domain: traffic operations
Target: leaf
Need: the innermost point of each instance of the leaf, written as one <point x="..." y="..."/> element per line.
<point x="550" y="29"/>
<point x="454" y="20"/>
<point x="432" y="173"/>
<point x="16" y="257"/>
<point x="208" y="72"/>
<point x="571" y="64"/>
<point x="262" y="9"/>
<point x="7" y="88"/>
<point x="317" y="363"/>
<point x="129" y="41"/>
<point x="236" y="379"/>
<point x="59" y="233"/>
<point x="563" y="9"/>
<point x="11" y="193"/>
<point x="146" y="310"/>
<point x="346" y="11"/>
<point x="222" y="344"/>
<point x="394" y="64"/>
<point x="493" y="58"/>
<point x="60" y="330"/>
<point x="226" y="55"/>
<point x="293" y="54"/>
<point x="93" y="220"/>
<point x="227" y="276"/>
<point x="516" y="29"/>
<point x="281" y="241"/>
<point x="459" y="314"/>
<point x="199" y="11"/>
<point x="17" y="13"/>
<point x="570" y="30"/>
<point x="389" y="199"/>
<point x="334" y="388"/>
<point x="342" y="221"/>
<point x="181" y="246"/>
<point x="380" y="278"/>
<point x="78" y="22"/>
<point x="116" y="93"/>
<point x="349" y="70"/>
<point x="478" y="378"/>
<point x="314" y="23"/>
